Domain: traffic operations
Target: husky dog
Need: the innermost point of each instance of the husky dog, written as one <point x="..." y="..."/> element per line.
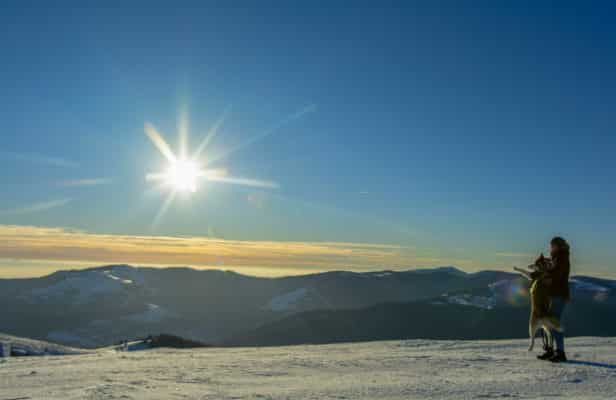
<point x="540" y="315"/>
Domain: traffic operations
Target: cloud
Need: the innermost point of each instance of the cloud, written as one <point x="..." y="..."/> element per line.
<point x="85" y="182"/>
<point x="59" y="244"/>
<point x="36" y="207"/>
<point x="39" y="159"/>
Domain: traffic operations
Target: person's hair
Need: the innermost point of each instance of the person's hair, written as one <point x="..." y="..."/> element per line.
<point x="560" y="243"/>
<point x="560" y="255"/>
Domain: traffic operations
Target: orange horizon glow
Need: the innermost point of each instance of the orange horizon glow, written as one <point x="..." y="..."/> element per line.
<point x="30" y="243"/>
<point x="29" y="251"/>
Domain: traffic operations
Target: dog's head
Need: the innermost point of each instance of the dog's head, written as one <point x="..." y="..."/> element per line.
<point x="541" y="264"/>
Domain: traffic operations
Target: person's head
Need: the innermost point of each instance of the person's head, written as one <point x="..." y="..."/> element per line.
<point x="558" y="245"/>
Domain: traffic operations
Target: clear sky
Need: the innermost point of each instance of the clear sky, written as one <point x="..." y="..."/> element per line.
<point x="408" y="134"/>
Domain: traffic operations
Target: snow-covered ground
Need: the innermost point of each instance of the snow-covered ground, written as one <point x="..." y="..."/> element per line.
<point x="416" y="369"/>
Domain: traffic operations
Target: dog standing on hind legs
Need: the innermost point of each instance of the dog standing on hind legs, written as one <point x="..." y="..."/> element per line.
<point x="540" y="315"/>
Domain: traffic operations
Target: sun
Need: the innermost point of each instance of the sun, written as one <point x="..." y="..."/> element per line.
<point x="185" y="170"/>
<point x="183" y="176"/>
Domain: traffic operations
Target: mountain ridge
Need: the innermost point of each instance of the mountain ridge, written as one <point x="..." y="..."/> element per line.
<point x="102" y="305"/>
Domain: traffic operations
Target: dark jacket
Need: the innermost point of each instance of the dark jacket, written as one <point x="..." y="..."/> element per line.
<point x="559" y="274"/>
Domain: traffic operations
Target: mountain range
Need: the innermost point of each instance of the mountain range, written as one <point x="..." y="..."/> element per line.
<point x="105" y="305"/>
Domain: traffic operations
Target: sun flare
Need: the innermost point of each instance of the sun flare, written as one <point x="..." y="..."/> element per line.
<point x="186" y="170"/>
<point x="183" y="176"/>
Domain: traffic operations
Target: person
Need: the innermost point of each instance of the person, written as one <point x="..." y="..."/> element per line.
<point x="558" y="282"/>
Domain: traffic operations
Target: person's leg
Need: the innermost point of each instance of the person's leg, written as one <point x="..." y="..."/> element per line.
<point x="559" y="339"/>
<point x="548" y="345"/>
<point x="557" y="308"/>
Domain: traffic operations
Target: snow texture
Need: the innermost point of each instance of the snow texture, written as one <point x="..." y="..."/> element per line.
<point x="587" y="286"/>
<point x="84" y="285"/>
<point x="484" y="302"/>
<point x="416" y="369"/>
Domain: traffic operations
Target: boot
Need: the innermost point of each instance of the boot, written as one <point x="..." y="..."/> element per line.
<point x="559" y="356"/>
<point x="549" y="353"/>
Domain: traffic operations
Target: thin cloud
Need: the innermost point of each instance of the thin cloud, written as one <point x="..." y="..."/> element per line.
<point x="85" y="182"/>
<point x="36" y="207"/>
<point x="39" y="159"/>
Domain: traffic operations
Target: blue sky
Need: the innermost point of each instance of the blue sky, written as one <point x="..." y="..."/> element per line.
<point x="466" y="135"/>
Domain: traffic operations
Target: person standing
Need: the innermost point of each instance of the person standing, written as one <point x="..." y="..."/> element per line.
<point x="558" y="283"/>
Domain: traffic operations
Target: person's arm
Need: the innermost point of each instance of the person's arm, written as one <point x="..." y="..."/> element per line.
<point x="551" y="271"/>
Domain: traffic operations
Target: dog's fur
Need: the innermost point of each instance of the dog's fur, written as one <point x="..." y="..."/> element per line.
<point x="540" y="315"/>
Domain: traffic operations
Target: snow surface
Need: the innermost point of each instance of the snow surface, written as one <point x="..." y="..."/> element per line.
<point x="483" y="302"/>
<point x="588" y="286"/>
<point x="117" y="278"/>
<point x="416" y="369"/>
<point x="382" y="274"/>
<point x="84" y="285"/>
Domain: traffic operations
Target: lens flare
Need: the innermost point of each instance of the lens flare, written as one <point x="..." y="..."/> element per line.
<point x="184" y="174"/>
<point x="517" y="294"/>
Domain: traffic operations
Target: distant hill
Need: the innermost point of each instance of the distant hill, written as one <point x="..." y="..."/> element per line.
<point x="17" y="346"/>
<point x="104" y="305"/>
<point x="419" y="320"/>
<point x="498" y="310"/>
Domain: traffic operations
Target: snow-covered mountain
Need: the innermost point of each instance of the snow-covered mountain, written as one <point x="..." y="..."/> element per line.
<point x="495" y="310"/>
<point x="105" y="305"/>
<point x="84" y="286"/>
